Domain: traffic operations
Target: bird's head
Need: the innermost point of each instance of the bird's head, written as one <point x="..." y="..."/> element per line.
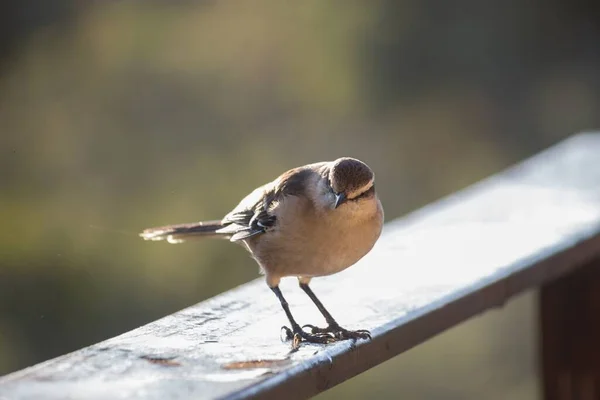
<point x="351" y="180"/>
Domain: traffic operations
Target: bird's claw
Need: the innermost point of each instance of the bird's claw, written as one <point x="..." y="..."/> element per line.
<point x="289" y="335"/>
<point x="339" y="333"/>
<point x="298" y="335"/>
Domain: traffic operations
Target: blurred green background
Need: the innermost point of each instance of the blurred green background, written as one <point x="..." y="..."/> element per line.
<point x="116" y="116"/>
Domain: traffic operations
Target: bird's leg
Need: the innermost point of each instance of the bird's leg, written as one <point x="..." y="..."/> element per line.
<point x="333" y="327"/>
<point x="296" y="333"/>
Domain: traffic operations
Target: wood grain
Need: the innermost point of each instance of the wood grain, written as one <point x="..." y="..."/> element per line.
<point x="430" y="270"/>
<point x="570" y="346"/>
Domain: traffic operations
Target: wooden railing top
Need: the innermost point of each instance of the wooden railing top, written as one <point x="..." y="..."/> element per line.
<point x="430" y="270"/>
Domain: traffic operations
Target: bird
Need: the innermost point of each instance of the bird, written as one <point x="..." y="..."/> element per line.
<point x="311" y="221"/>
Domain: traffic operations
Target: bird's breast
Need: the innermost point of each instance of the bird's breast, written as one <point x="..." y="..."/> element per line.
<point x="347" y="241"/>
<point x="319" y="244"/>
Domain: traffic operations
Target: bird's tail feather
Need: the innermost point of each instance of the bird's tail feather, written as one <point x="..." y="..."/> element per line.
<point x="182" y="232"/>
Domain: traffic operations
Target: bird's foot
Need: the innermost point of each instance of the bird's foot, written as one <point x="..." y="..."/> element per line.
<point x="298" y="335"/>
<point x="338" y="333"/>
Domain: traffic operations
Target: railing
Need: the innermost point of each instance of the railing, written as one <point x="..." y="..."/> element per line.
<point x="536" y="225"/>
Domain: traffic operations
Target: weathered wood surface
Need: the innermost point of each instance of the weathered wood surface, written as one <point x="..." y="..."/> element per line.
<point x="429" y="271"/>
<point x="570" y="335"/>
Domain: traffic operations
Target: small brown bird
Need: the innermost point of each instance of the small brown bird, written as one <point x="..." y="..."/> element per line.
<point x="314" y="220"/>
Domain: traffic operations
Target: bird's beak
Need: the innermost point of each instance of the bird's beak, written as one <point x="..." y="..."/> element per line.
<point x="340" y="198"/>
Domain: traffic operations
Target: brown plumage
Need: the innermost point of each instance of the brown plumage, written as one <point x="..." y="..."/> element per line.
<point x="348" y="176"/>
<point x="311" y="221"/>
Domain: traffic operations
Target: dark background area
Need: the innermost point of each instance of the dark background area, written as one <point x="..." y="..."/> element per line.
<point x="115" y="116"/>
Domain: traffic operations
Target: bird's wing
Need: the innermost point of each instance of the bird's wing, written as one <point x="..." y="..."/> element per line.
<point x="255" y="214"/>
